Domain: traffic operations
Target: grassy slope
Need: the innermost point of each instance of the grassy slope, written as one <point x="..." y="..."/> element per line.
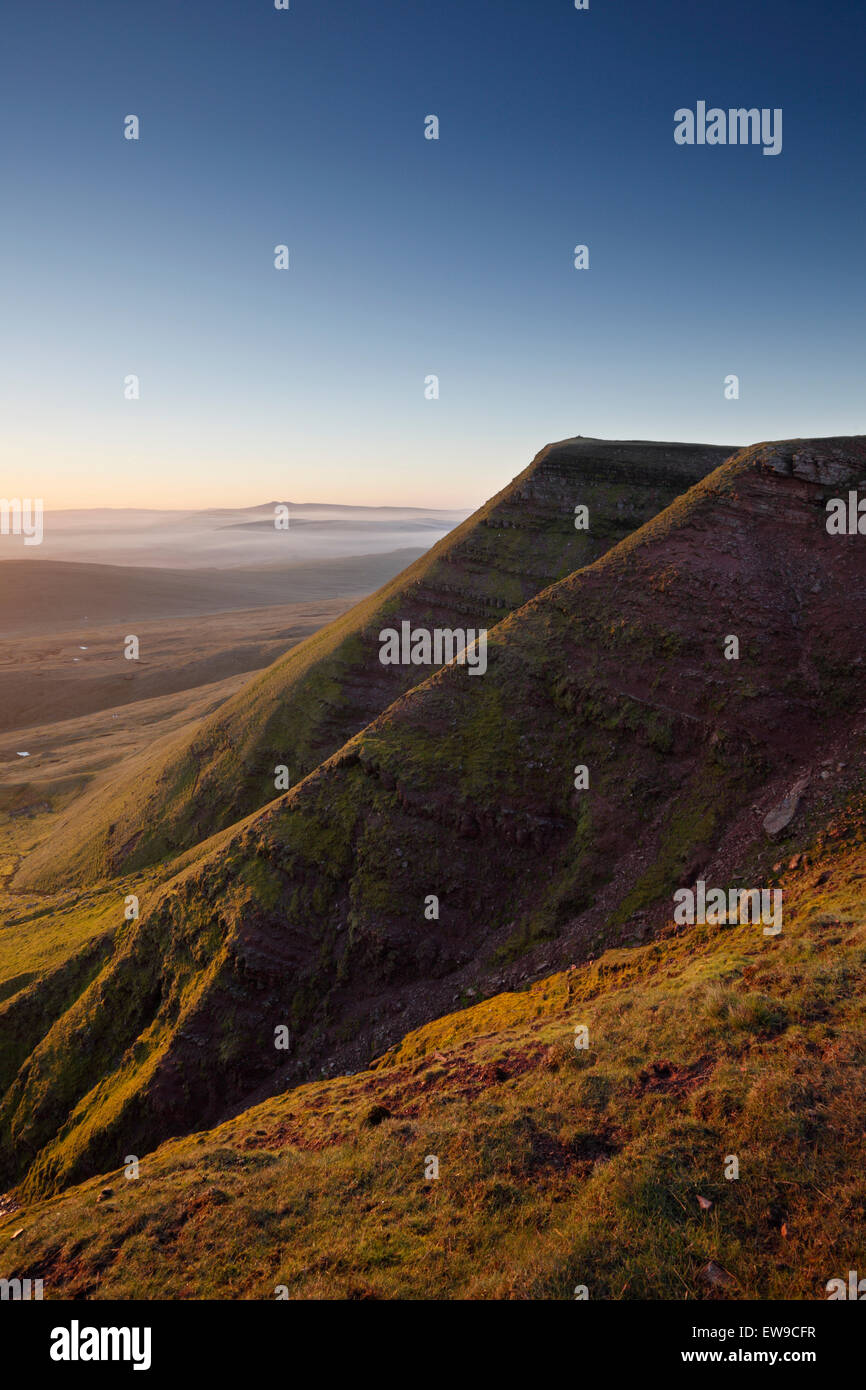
<point x="557" y="1167"/>
<point x="305" y="706"/>
<point x="51" y="949"/>
<point x="311" y="912"/>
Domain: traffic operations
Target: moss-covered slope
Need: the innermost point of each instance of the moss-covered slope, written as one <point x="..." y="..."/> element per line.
<point x="607" y="1168"/>
<point x="313" y="914"/>
<point x="305" y="706"/>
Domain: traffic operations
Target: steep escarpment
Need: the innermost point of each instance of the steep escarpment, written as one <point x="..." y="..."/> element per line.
<point x="694" y="671"/>
<point x="305" y="706"/>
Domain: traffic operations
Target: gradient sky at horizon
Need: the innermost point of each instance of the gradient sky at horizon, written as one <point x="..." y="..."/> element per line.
<point x="409" y="256"/>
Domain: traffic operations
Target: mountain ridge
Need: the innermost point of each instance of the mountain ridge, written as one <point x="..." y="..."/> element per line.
<point x="305" y="706"/>
<point x="310" y="913"/>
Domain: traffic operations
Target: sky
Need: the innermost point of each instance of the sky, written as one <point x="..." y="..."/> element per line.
<point x="411" y="257"/>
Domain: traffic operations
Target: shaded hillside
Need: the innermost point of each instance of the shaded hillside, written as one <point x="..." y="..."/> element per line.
<point x="557" y="1167"/>
<point x="311" y="913"/>
<point x="305" y="706"/>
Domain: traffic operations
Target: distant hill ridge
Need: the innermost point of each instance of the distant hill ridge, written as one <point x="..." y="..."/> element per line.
<point x="305" y="706"/>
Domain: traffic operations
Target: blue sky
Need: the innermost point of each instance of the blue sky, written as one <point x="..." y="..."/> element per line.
<point x="408" y="256"/>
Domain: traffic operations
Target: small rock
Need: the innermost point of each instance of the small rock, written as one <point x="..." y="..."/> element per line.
<point x="717" y="1277"/>
<point x="782" y="815"/>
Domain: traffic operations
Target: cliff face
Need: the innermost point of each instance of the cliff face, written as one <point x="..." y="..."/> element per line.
<point x="304" y="707"/>
<point x="317" y="912"/>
